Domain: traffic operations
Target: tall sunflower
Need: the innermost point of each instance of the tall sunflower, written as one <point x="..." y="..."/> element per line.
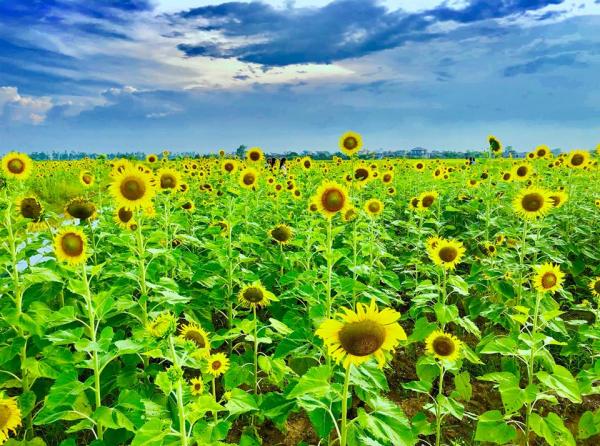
<point x="495" y="145"/>
<point x="355" y="337"/>
<point x="350" y="143"/>
<point x="578" y="159"/>
<point x="217" y="364"/>
<point x="248" y="178"/>
<point x="169" y="179"/>
<point x="331" y="198"/>
<point x="229" y="166"/>
<point x="10" y="417"/>
<point x="447" y="253"/>
<point x="532" y="203"/>
<point x="443" y="346"/>
<point x="255" y="295"/>
<point x="548" y="278"/>
<point x="17" y="165"/>
<point x="133" y="188"/>
<point x="70" y="246"/>
<point x="254" y="155"/>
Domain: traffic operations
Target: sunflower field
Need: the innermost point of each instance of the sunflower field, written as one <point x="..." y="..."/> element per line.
<point x="222" y="301"/>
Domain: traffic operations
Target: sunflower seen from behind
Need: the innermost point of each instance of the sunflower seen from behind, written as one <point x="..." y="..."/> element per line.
<point x="81" y="208"/>
<point x="495" y="145"/>
<point x="281" y="234"/>
<point x="354" y="337"/>
<point x="70" y="246"/>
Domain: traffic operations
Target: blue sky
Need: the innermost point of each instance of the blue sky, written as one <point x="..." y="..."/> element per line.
<point x="107" y="75"/>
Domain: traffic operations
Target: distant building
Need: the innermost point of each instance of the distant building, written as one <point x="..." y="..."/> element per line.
<point x="418" y="152"/>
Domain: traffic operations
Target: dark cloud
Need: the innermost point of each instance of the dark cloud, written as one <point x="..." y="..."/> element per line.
<point x="340" y="30"/>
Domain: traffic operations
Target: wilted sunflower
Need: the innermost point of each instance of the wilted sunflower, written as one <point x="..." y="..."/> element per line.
<point x="578" y="159"/>
<point x="133" y="188"/>
<point x="10" y="417"/>
<point x="558" y="198"/>
<point x="196" y="386"/>
<point x="255" y="295"/>
<point x="162" y="325"/>
<point x="168" y="179"/>
<point x="217" y="364"/>
<point x="532" y="203"/>
<point x="447" y="253"/>
<point x="281" y="234"/>
<point x="229" y="166"/>
<point x="254" y="155"/>
<point x="595" y="287"/>
<point x="443" y="346"/>
<point x="70" y="246"/>
<point x="331" y="198"/>
<point x="81" y="208"/>
<point x="248" y="178"/>
<point x="195" y="334"/>
<point x="350" y="143"/>
<point x="123" y="216"/>
<point x="17" y="165"/>
<point x="374" y="207"/>
<point x="489" y="249"/>
<point x="349" y="214"/>
<point x="548" y="278"/>
<point x="354" y="337"/>
<point x="427" y="199"/>
<point x="30" y="208"/>
<point x="495" y="145"/>
<point x="86" y="178"/>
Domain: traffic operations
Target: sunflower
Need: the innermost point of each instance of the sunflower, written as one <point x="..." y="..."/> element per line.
<point x="532" y="203"/>
<point x="543" y="151"/>
<point x="578" y="159"/>
<point x="255" y="295"/>
<point x="427" y="199"/>
<point x="281" y="234"/>
<point x="558" y="198"/>
<point x="188" y="206"/>
<point x="229" y="166"/>
<point x="70" y="246"/>
<point x="151" y="158"/>
<point x="123" y="216"/>
<point x="414" y="203"/>
<point x="349" y="214"/>
<point x="133" y="188"/>
<point x="30" y="208"/>
<point x="489" y="249"/>
<point x="306" y="163"/>
<point x="362" y="175"/>
<point x="495" y="145"/>
<point x="10" y="417"/>
<point x="168" y="179"/>
<point x="472" y="183"/>
<point x="254" y="155"/>
<point x="374" y="207"/>
<point x="595" y="287"/>
<point x="248" y="178"/>
<point x="443" y="346"/>
<point x="81" y="208"/>
<point x="350" y="143"/>
<point x="17" y="165"/>
<point x="162" y="325"/>
<point x="331" y="198"/>
<point x="420" y="166"/>
<point x="521" y="171"/>
<point x="86" y="178"/>
<point x="432" y="242"/>
<point x="196" y="386"/>
<point x="354" y="337"/>
<point x="196" y="335"/>
<point x="218" y="364"/>
<point x="548" y="278"/>
<point x="447" y="253"/>
<point x="506" y="176"/>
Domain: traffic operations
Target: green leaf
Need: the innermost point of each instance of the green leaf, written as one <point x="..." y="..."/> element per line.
<point x="462" y="384"/>
<point x="492" y="427"/>
<point x="386" y="422"/>
<point x="241" y="402"/>
<point x="314" y="382"/>
<point x="562" y="382"/>
<point x="445" y="313"/>
<point x="152" y="433"/>
<point x="589" y="425"/>
<point x="113" y="419"/>
<point x="552" y="429"/>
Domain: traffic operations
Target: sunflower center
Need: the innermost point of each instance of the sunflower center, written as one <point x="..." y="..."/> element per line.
<point x="253" y="295"/>
<point x="72" y="244"/>
<point x="15" y="165"/>
<point x="555" y="200"/>
<point x="549" y="280"/>
<point x="577" y="160"/>
<point x="506" y="176"/>
<point x="374" y="207"/>
<point x="361" y="174"/>
<point x="187" y="206"/>
<point x="133" y="188"/>
<point x="443" y="346"/>
<point x="229" y="167"/>
<point x="522" y="171"/>
<point x="414" y="202"/>
<point x="387" y="178"/>
<point x="281" y="234"/>
<point x="216" y="365"/>
<point x="350" y="143"/>
<point x="541" y="153"/>
<point x="87" y="179"/>
<point x="448" y="254"/>
<point x="31" y="208"/>
<point x="249" y="179"/>
<point x="427" y="200"/>
<point x="196" y="337"/>
<point x="597" y="286"/>
<point x="362" y="338"/>
<point x="5" y="413"/>
<point x="254" y="156"/>
<point x="532" y="202"/>
<point x="333" y="200"/>
<point x="197" y="386"/>
<point x="81" y="210"/>
<point x="307" y="164"/>
<point x="125" y="215"/>
<point x="167" y="181"/>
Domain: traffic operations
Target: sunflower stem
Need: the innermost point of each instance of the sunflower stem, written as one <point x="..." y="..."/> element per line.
<point x="214" y="391"/>
<point x="255" y="350"/>
<point x="344" y="426"/>
<point x="438" y="408"/>
<point x="179" y="393"/>
<point x="531" y="363"/>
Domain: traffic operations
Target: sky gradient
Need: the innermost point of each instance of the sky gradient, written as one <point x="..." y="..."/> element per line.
<point x="108" y="75"/>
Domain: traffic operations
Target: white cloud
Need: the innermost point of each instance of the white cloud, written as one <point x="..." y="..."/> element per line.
<point x="29" y="109"/>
